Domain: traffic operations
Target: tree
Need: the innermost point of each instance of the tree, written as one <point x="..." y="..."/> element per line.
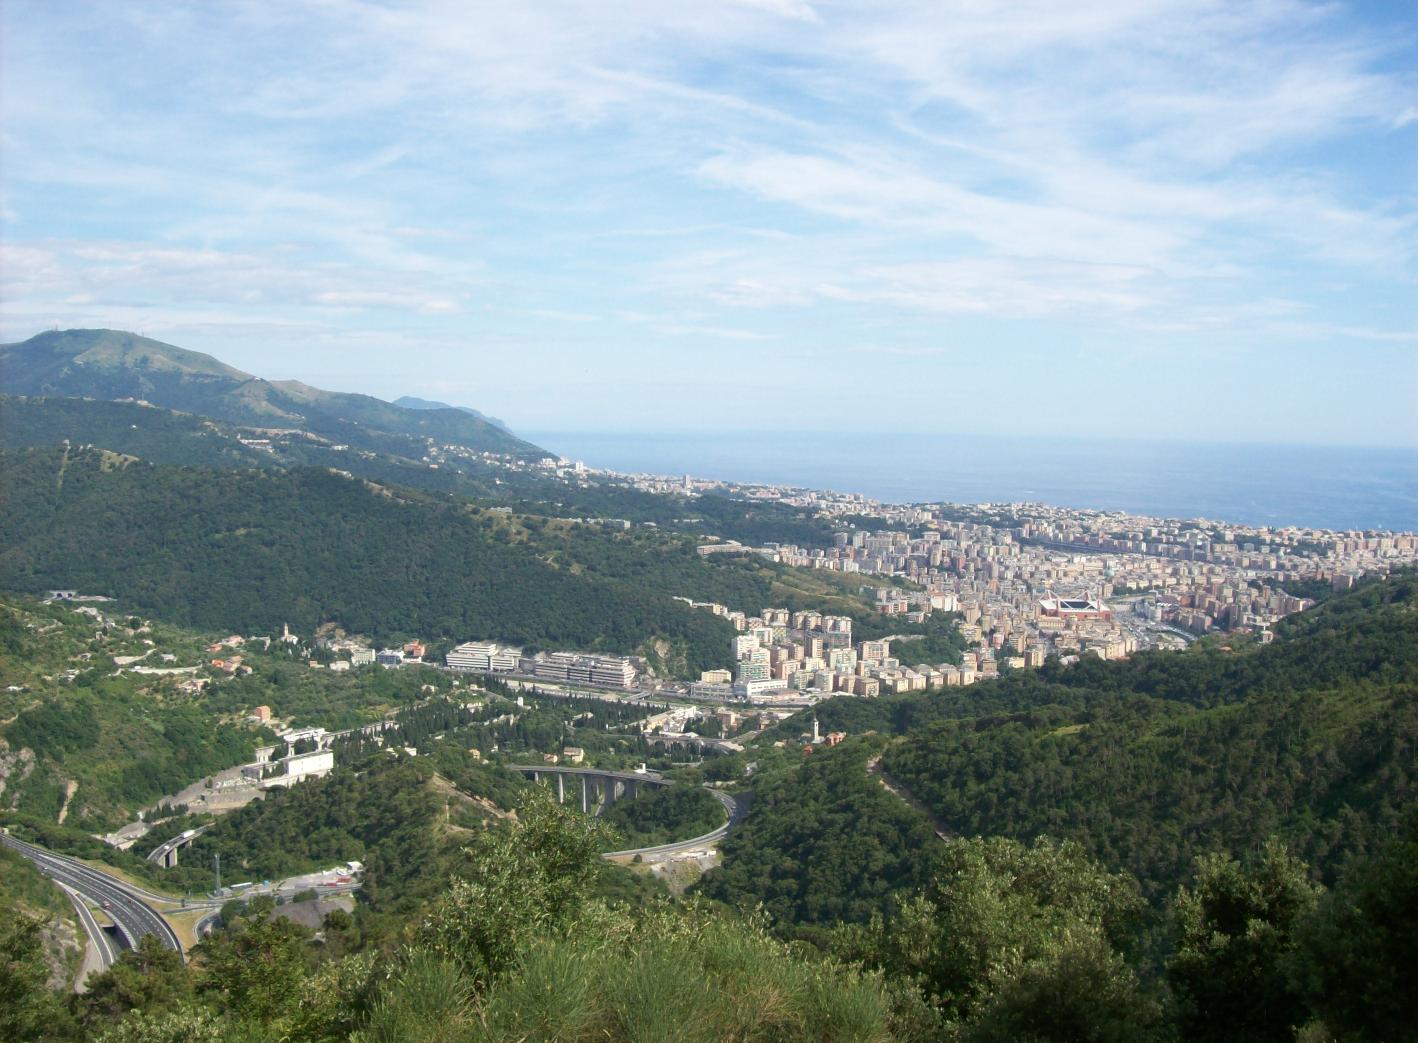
<point x="1357" y="948"/>
<point x="425" y="1001"/>
<point x="186" y="1025"/>
<point x="335" y="1000"/>
<point x="1233" y="936"/>
<point x="150" y="978"/>
<point x="524" y="879"/>
<point x="1013" y="941"/>
<point x="257" y="969"/>
<point x="25" y="1001"/>
<point x="1080" y="988"/>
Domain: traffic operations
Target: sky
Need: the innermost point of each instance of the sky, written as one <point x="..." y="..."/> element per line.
<point x="1177" y="219"/>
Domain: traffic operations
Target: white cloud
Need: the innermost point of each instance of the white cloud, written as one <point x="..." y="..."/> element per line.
<point x="996" y="287"/>
<point x="798" y="10"/>
<point x="743" y="170"/>
<point x="878" y="192"/>
<point x="115" y="274"/>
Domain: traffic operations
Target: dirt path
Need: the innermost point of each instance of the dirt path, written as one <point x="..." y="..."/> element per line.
<point x="63" y="466"/>
<point x="899" y="791"/>
<point x="69" y="791"/>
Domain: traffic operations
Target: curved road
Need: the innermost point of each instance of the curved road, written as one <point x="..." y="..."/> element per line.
<point x="101" y="952"/>
<point x="735" y="810"/>
<point x="158" y="854"/>
<point x="650" y="779"/>
<point x="736" y="813"/>
<point x="125" y="904"/>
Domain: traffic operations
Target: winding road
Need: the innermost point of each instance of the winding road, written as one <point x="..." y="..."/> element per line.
<point x="736" y="812"/>
<point x="159" y="854"/>
<point x="735" y="808"/>
<point x="100" y="953"/>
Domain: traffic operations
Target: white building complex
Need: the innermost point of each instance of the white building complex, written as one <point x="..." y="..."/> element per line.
<point x="484" y="657"/>
<point x="286" y="771"/>
<point x="573" y="667"/>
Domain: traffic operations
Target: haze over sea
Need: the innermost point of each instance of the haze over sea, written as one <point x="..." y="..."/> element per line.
<point x="1320" y="486"/>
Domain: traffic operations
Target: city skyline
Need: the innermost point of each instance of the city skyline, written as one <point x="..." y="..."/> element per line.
<point x="749" y="214"/>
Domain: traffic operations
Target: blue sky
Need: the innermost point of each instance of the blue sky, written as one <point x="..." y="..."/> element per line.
<point x="1156" y="218"/>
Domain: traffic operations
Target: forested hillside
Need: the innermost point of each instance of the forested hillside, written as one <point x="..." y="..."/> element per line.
<point x="826" y="844"/>
<point x="252" y="550"/>
<point x="56" y="935"/>
<point x="1148" y="762"/>
<point x="385" y="812"/>
<point x="661" y="815"/>
<point x="118" y="391"/>
<point x="476" y="926"/>
<point x="160" y="436"/>
<point x="1002" y="941"/>
<point x="83" y="742"/>
<point x="163" y="436"/>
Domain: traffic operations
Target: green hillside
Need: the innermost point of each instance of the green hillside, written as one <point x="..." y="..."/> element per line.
<point x="1146" y="763"/>
<point x="159" y="435"/>
<point x="165" y="436"/>
<point x="55" y="357"/>
<point x="823" y="845"/>
<point x="477" y="926"/>
<point x="110" y="364"/>
<point x="34" y="897"/>
<point x="251" y="550"/>
<point x="413" y="402"/>
<point x="168" y="437"/>
<point x="84" y="743"/>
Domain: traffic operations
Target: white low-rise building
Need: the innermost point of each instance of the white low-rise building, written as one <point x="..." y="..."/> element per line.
<point x="483" y="657"/>
<point x="306" y="765"/>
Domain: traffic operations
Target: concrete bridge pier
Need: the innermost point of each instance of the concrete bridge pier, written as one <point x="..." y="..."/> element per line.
<point x="599" y="788"/>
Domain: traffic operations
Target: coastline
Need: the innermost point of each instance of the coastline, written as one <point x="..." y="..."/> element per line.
<point x="1335" y="488"/>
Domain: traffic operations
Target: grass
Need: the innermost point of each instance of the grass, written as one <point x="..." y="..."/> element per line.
<point x="680" y="980"/>
<point x="185" y="924"/>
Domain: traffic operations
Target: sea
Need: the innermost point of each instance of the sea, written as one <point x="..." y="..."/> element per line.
<point x="1327" y="487"/>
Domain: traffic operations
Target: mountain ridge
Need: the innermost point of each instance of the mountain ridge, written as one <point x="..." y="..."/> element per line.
<point x="251" y="549"/>
<point x="115" y="365"/>
<point x="413" y="402"/>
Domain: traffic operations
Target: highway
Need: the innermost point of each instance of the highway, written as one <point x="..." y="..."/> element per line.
<point x="653" y="778"/>
<point x="125" y="904"/>
<point x="736" y="813"/>
<point x="736" y="810"/>
<point x="158" y="855"/>
<point x="101" y="951"/>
